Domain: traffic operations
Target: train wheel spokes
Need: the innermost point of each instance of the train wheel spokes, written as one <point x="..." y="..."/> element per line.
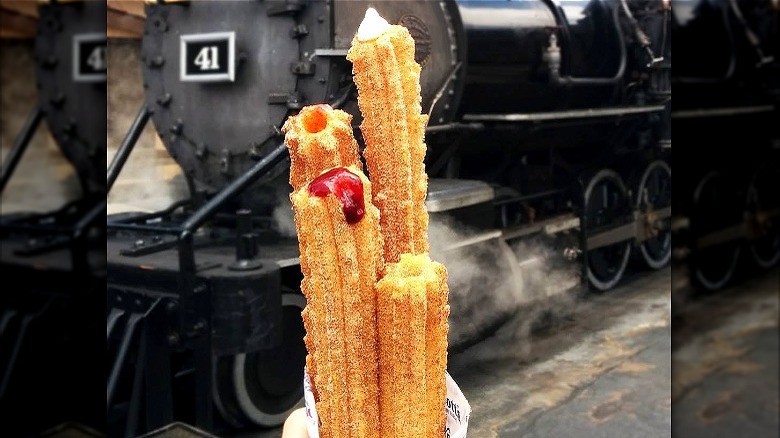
<point x="653" y="193"/>
<point x="606" y="204"/>
<point x="714" y="209"/>
<point x="263" y="387"/>
<point x="763" y="206"/>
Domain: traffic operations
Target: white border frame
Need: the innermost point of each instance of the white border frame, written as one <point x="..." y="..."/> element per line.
<point x="77" y="40"/>
<point x="216" y="77"/>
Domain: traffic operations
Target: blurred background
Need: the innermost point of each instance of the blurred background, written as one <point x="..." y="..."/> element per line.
<point x="52" y="232"/>
<point x="46" y="180"/>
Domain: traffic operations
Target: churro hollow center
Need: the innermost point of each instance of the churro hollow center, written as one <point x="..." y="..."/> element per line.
<point x="315" y="120"/>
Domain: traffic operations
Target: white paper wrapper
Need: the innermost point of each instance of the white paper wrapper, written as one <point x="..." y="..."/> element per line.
<point x="456" y="407"/>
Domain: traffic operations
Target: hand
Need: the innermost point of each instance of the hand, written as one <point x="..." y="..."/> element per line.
<point x="295" y="425"/>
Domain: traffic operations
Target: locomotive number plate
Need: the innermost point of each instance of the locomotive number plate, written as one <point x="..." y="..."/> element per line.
<point x="208" y="57"/>
<point x="89" y="57"/>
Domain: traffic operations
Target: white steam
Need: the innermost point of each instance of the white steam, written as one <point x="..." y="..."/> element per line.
<point x="284" y="221"/>
<point x="491" y="281"/>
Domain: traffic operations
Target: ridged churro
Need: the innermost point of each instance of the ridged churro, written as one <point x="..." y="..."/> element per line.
<point x="388" y="83"/>
<point x="401" y="330"/>
<point x="341" y="259"/>
<point x="414" y="272"/>
<point x="319" y="138"/>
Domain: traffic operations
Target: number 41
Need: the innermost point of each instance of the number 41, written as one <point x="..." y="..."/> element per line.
<point x="207" y="58"/>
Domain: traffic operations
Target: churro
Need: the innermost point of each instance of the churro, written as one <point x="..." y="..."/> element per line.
<point x="401" y="330"/>
<point x="404" y="382"/>
<point x="319" y="138"/>
<point x="388" y="83"/>
<point x="340" y="252"/>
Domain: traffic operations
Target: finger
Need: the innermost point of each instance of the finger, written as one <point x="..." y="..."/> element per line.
<point x="295" y="425"/>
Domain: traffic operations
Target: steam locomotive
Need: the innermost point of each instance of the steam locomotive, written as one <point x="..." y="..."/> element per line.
<point x="549" y="119"/>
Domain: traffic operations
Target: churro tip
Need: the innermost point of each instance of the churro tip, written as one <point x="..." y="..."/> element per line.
<point x="372" y="26"/>
<point x="312" y="119"/>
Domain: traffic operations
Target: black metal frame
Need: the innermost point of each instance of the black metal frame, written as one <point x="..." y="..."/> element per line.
<point x="93" y="207"/>
<point x="194" y="297"/>
<point x="152" y="354"/>
<point x="20" y="145"/>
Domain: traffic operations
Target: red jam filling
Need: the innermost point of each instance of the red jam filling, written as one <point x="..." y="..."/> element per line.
<point x="346" y="186"/>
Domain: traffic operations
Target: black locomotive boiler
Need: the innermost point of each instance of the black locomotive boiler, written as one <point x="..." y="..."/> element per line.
<point x="548" y="119"/>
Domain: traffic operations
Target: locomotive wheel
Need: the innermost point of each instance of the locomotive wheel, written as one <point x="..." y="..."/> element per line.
<point x="606" y="203"/>
<point x="223" y="394"/>
<point x="714" y="209"/>
<point x="655" y="192"/>
<point x="263" y="387"/>
<point x="763" y="200"/>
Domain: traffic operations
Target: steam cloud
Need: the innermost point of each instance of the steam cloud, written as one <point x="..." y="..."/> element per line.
<point x="491" y="281"/>
<point x="284" y="221"/>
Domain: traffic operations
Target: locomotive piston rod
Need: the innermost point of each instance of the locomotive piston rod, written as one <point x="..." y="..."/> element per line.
<point x="752" y="227"/>
<point x="643" y="226"/>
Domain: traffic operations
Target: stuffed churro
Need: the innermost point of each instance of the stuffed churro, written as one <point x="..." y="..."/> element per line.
<point x="388" y="83"/>
<point x="340" y="252"/>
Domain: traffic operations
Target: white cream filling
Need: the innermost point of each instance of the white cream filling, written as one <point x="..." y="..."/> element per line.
<point x="372" y="26"/>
